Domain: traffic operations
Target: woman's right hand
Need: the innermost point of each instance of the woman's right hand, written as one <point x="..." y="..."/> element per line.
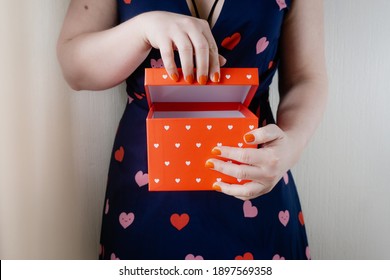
<point x="191" y="37"/>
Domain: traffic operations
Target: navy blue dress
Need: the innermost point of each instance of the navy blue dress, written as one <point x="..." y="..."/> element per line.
<point x="138" y="224"/>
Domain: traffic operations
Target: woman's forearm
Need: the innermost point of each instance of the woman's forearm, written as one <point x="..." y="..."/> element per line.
<point x="301" y="109"/>
<point x="102" y="59"/>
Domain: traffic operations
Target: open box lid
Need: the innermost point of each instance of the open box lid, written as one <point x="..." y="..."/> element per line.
<point x="237" y="85"/>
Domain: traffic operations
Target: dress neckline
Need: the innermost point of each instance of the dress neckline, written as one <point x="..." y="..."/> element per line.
<point x="217" y="19"/>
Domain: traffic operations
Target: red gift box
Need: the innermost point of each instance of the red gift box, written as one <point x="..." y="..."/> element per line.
<point x="186" y="121"/>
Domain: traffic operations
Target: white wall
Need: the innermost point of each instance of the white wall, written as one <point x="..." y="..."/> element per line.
<point x="55" y="144"/>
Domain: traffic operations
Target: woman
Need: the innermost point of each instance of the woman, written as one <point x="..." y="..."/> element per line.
<point x="104" y="42"/>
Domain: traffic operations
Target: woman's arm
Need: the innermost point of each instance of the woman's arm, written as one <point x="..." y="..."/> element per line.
<point x="93" y="52"/>
<point x="303" y="82"/>
<point x="96" y="54"/>
<point x="303" y="92"/>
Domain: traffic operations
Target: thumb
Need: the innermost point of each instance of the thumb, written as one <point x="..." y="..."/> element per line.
<point x="263" y="134"/>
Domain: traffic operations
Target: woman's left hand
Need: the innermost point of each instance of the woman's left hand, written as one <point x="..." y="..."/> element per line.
<point x="264" y="167"/>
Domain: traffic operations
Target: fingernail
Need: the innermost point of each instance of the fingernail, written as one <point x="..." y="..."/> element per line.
<point x="217" y="188"/>
<point x="249" y="138"/>
<point x="175" y="77"/>
<point x="209" y="164"/>
<point x="216" y="152"/>
<point x="216" y="77"/>
<point x="203" y="79"/>
<point x="190" y="79"/>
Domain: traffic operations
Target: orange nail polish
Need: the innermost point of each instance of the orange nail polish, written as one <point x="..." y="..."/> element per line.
<point x="203" y="79"/>
<point x="209" y="164"/>
<point x="216" y="152"/>
<point x="190" y="79"/>
<point x="216" y="77"/>
<point x="217" y="188"/>
<point x="175" y="77"/>
<point x="249" y="138"/>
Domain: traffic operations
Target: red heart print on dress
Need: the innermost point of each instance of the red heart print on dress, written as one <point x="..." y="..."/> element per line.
<point x="101" y="250"/>
<point x="249" y="210"/>
<point x="119" y="154"/>
<point x="231" y="42"/>
<point x="261" y="45"/>
<point x="180" y="221"/>
<point x="126" y="219"/>
<point x="246" y="256"/>
<point x="301" y="219"/>
<point x="127" y="1"/>
<point x="139" y="96"/>
<point x="284" y="217"/>
<point x="141" y="178"/>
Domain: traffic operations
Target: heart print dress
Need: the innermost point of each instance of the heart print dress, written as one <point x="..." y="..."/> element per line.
<point x="138" y="224"/>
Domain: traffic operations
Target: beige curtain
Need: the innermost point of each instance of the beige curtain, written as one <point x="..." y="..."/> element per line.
<point x="52" y="179"/>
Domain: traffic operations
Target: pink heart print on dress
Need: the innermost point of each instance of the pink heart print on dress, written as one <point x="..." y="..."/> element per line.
<point x="141" y="178"/>
<point x="282" y="4"/>
<point x="261" y="45"/>
<point x="278" y="258"/>
<point x="107" y="208"/>
<point x="284" y="217"/>
<point x="156" y="63"/>
<point x="126" y="219"/>
<point x="308" y="255"/>
<point x="249" y="210"/>
<point x="192" y="257"/>
<point x="114" y="257"/>
<point x="285" y="178"/>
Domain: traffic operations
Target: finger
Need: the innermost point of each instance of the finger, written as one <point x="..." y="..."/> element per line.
<point x="222" y="60"/>
<point x="201" y="48"/>
<point x="264" y="134"/>
<point x="214" y="57"/>
<point x="246" y="191"/>
<point x="250" y="156"/>
<point x="168" y="59"/>
<point x="186" y="54"/>
<point x="239" y="171"/>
